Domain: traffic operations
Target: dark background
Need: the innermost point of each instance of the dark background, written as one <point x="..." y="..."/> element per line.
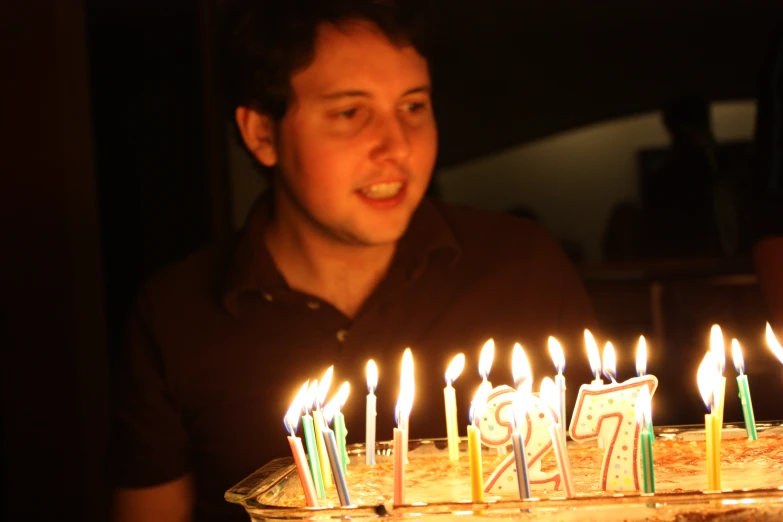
<point x="114" y="165"/>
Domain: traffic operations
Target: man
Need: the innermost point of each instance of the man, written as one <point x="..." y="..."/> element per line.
<point x="344" y="261"/>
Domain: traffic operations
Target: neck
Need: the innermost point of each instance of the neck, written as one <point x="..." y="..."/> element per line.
<point x="338" y="272"/>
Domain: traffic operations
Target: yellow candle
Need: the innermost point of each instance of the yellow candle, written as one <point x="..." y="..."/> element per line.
<point x="708" y="378"/>
<point x="718" y="348"/>
<point x="474" y="453"/>
<point x="712" y="428"/>
<point x="326" y="470"/>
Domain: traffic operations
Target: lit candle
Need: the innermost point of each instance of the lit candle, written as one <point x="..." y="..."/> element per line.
<point x="333" y="450"/>
<point x="707" y="378"/>
<point x="641" y="370"/>
<point x="403" y="410"/>
<point x="335" y="415"/>
<point x="646" y="437"/>
<point x="318" y="420"/>
<point x="607" y="411"/>
<point x="312" y="448"/>
<point x="369" y="429"/>
<point x="523" y="380"/>
<point x="291" y="421"/>
<point x="744" y="390"/>
<point x="556" y="352"/>
<point x="474" y="446"/>
<point x="449" y="396"/>
<point x="717" y="347"/>
<point x="549" y="394"/>
<point x="773" y="343"/>
<point x="610" y="362"/>
<point x="594" y="357"/>
<point x="485" y="365"/>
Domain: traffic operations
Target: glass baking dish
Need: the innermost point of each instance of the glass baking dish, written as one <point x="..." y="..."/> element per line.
<point x="257" y="493"/>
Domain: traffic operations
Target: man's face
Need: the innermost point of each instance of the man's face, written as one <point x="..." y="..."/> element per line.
<point x="357" y="146"/>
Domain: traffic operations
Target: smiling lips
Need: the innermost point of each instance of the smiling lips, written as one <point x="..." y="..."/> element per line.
<point x="382" y="190"/>
<point x="386" y="194"/>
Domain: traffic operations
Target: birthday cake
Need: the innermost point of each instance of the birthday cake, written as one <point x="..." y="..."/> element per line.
<point x="752" y="475"/>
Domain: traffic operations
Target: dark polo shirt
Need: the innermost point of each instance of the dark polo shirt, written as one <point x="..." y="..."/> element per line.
<point x="219" y="344"/>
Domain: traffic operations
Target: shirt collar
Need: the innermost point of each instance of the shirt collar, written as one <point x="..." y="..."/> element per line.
<point x="252" y="269"/>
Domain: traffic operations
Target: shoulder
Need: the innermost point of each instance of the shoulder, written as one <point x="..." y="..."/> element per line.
<point x="197" y="278"/>
<point x="495" y="232"/>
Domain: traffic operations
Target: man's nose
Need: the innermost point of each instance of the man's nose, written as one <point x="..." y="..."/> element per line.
<point x="394" y="143"/>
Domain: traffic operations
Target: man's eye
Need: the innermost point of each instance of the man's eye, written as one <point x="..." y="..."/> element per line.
<point x="347" y="114"/>
<point x="415" y="107"/>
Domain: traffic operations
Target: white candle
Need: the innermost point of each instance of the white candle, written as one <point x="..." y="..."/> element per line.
<point x="556" y="351"/>
<point x="371" y="413"/>
<point x="450" y="401"/>
<point x="403" y="410"/>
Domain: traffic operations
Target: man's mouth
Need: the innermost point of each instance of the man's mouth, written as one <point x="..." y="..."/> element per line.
<point x="382" y="190"/>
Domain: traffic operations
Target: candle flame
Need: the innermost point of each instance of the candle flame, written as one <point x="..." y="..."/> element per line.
<point x="291" y="418"/>
<point x="643" y="407"/>
<point x="556" y="352"/>
<point x="310" y="396"/>
<point x="736" y="354"/>
<point x="550" y="396"/>
<point x="323" y="387"/>
<point x="372" y="376"/>
<point x="641" y="356"/>
<point x="405" y="400"/>
<point x="717" y="346"/>
<point x="592" y="354"/>
<point x="707" y="378"/>
<point x="455" y="368"/>
<point x="337" y="402"/>
<point x="485" y="360"/>
<point x="520" y="369"/>
<point x="610" y="362"/>
<point x="477" y="404"/>
<point x="773" y="343"/>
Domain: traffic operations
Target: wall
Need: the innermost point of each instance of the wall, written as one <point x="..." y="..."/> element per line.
<point x="572" y="180"/>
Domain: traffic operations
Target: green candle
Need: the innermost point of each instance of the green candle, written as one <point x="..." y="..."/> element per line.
<point x="340" y="433"/>
<point x="648" y="471"/>
<point x="747" y="407"/>
<point x="312" y="454"/>
<point x="744" y="391"/>
<point x="643" y="419"/>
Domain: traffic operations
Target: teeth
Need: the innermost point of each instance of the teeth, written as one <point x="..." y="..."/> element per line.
<point x="382" y="190"/>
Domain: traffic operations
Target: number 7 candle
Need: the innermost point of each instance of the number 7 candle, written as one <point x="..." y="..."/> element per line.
<point x="291" y="421"/>
<point x="449" y="397"/>
<point x="608" y="411"/>
<point x="744" y="391"/>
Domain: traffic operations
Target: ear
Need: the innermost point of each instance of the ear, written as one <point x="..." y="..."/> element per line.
<point x="258" y="133"/>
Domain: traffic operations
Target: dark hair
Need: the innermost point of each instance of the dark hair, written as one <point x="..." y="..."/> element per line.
<point x="264" y="42"/>
<point x="687" y="113"/>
